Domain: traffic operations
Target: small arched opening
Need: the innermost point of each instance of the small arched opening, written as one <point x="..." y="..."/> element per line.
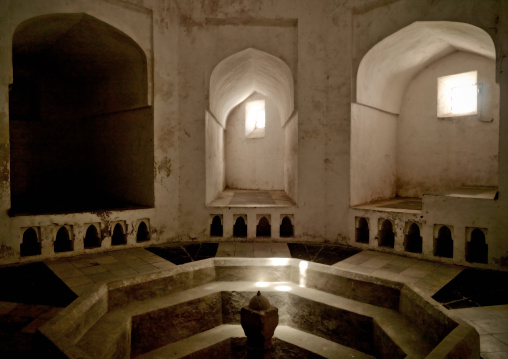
<point x="143" y="234"/>
<point x="263" y="228"/>
<point x="63" y="241"/>
<point x="477" y="248"/>
<point x="286" y="228"/>
<point x="386" y="235"/>
<point x="443" y="243"/>
<point x="92" y="238"/>
<point x="118" y="237"/>
<point x="78" y="108"/>
<point x="30" y="245"/>
<point x="216" y="229"/>
<point x="240" y="228"/>
<point x="413" y="239"/>
<point x="362" y="231"/>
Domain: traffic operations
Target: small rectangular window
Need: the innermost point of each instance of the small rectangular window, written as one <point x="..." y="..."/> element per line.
<point x="457" y="95"/>
<point x="255" y="119"/>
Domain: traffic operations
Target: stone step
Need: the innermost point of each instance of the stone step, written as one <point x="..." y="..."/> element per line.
<point x="326" y="314"/>
<point x="312" y="343"/>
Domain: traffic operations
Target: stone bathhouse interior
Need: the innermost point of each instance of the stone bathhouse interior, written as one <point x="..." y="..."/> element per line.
<point x="143" y="141"/>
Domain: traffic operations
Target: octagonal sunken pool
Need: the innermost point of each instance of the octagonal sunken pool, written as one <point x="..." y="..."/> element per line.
<point x="193" y="311"/>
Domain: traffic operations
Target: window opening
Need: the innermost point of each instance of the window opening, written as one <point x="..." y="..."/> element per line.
<point x="286" y="227"/>
<point x="216" y="228"/>
<point x="240" y="228"/>
<point x="443" y="244"/>
<point x="63" y="241"/>
<point x="143" y="234"/>
<point x="92" y="239"/>
<point x="362" y="231"/>
<point x="118" y="237"/>
<point x="263" y="229"/>
<point x="477" y="248"/>
<point x="457" y="95"/>
<point x="30" y="245"/>
<point x="413" y="239"/>
<point x="255" y="119"/>
<point x="386" y="235"/>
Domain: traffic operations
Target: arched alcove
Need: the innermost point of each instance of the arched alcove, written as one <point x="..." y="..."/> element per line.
<point x="234" y="82"/>
<point x="386" y="235"/>
<point x="443" y="243"/>
<point x="477" y="248"/>
<point x="92" y="238"/>
<point x="30" y="246"/>
<point x="216" y="228"/>
<point x="263" y="228"/>
<point x="63" y="241"/>
<point x="79" y="120"/>
<point x="413" y="239"/>
<point x="362" y="231"/>
<point x="286" y="227"/>
<point x="118" y="237"/>
<point x="240" y="228"/>
<point x="395" y="116"/>
<point x="143" y="234"/>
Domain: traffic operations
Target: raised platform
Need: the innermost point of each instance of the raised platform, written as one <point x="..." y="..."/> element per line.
<point x="401" y="205"/>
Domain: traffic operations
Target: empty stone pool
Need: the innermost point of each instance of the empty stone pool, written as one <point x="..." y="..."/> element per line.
<point x="194" y="311"/>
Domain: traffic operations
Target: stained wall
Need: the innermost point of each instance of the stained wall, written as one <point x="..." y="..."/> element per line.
<point x="322" y="42"/>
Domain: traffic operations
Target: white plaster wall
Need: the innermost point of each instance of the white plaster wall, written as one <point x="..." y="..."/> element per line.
<point x="215" y="174"/>
<point x="389" y="66"/>
<point x="435" y="154"/>
<point x="373" y="154"/>
<point x="254" y="163"/>
<point x="291" y="157"/>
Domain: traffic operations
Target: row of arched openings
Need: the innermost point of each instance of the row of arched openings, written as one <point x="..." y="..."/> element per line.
<point x="476" y="247"/>
<point x="31" y="245"/>
<point x="263" y="227"/>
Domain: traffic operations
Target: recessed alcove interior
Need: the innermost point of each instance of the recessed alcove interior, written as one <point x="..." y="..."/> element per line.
<point x="251" y="166"/>
<point x="80" y="124"/>
<point x="400" y="148"/>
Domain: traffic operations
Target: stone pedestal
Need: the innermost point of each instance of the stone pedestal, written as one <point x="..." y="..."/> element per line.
<point x="259" y="320"/>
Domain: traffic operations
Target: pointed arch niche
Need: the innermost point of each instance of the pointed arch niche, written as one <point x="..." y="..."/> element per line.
<point x="399" y="145"/>
<point x="251" y="75"/>
<point x="80" y="117"/>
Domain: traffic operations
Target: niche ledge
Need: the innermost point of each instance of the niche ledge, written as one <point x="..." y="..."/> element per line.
<point x="252" y="199"/>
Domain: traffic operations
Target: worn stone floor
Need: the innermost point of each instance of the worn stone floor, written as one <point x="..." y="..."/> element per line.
<point x="251" y="198"/>
<point x="19" y="321"/>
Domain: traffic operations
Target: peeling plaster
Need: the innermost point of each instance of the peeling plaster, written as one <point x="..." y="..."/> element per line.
<point x="164" y="167"/>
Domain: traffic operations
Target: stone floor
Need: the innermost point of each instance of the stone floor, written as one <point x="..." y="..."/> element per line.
<point x="252" y="198"/>
<point x="19" y="321"/>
